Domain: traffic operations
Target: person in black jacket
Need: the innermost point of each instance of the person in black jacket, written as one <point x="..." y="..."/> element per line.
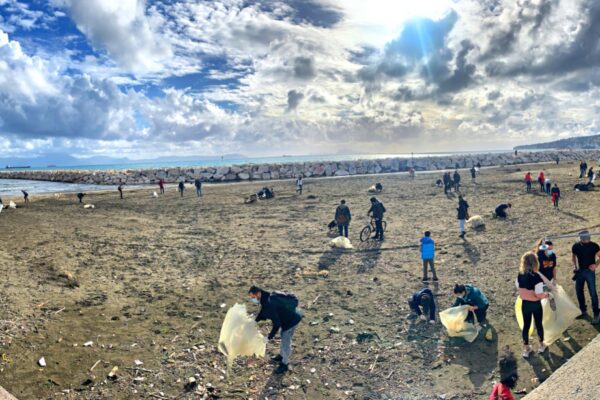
<point x="422" y="299"/>
<point x="281" y="309"/>
<point x="342" y="218"/>
<point x="447" y="182"/>
<point x="456" y="181"/>
<point x="462" y="215"/>
<point x="376" y="211"/>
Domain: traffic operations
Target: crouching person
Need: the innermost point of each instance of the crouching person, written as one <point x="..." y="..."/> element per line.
<point x="282" y="309"/>
<point x="477" y="302"/>
<point x="422" y="305"/>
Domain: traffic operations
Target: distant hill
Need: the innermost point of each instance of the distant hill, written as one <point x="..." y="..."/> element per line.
<point x="581" y="142"/>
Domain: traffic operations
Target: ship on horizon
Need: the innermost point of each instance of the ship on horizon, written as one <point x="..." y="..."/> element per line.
<point x="17" y="166"/>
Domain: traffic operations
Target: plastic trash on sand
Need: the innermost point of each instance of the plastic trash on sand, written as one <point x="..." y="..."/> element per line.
<point x="556" y="319"/>
<point x="240" y="336"/>
<point x="12" y="204"/>
<point x="476" y="222"/>
<point x="454" y="318"/>
<point x="89" y="206"/>
<point x="341" y="242"/>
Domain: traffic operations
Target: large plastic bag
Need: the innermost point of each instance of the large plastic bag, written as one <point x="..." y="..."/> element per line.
<point x="519" y="315"/>
<point x="555" y="321"/>
<point x="454" y="318"/>
<point x="341" y="242"/>
<point x="240" y="335"/>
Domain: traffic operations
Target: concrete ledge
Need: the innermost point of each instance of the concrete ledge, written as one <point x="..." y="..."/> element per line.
<point x="577" y="379"/>
<point x="4" y="395"/>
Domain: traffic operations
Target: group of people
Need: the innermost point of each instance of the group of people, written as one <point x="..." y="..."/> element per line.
<point x="451" y="182"/>
<point x="343" y="217"/>
<point x="545" y="187"/>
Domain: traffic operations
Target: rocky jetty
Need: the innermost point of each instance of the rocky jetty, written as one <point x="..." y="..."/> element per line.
<point x="265" y="172"/>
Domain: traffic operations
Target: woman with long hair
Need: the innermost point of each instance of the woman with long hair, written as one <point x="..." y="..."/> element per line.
<point x="531" y="291"/>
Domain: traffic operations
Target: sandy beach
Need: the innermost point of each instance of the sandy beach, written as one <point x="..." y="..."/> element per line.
<point x="151" y="279"/>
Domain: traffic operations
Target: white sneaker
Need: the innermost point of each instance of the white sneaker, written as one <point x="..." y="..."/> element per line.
<point x="542" y="349"/>
<point x="526" y="353"/>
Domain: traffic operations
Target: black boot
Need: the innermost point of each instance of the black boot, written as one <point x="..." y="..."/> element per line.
<point x="282" y="369"/>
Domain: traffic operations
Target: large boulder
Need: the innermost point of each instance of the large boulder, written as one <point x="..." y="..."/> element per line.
<point x="244" y="176"/>
<point x="341" y="172"/>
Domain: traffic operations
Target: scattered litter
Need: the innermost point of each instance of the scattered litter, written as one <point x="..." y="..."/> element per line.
<point x="191" y="384"/>
<point x="89" y="206"/>
<point x="154" y="194"/>
<point x="366" y="337"/>
<point x="88" y="344"/>
<point x="138" y="362"/>
<point x="12" y="204"/>
<point x="42" y="362"/>
<point x="334" y="329"/>
<point x="139" y="379"/>
<point x="112" y="375"/>
<point x="341" y="242"/>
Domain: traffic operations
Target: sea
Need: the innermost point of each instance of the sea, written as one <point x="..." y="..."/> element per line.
<point x="10" y="187"/>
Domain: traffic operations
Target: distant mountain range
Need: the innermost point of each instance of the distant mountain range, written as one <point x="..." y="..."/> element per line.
<point x="581" y="142"/>
<point x="66" y="160"/>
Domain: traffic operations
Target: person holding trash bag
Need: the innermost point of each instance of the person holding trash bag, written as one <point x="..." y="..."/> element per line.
<point x="475" y="299"/>
<point x="530" y="285"/>
<point x="282" y="309"/>
<point x="586" y="257"/>
<point x="422" y="304"/>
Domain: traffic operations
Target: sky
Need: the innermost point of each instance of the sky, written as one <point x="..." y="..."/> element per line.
<point x="148" y="78"/>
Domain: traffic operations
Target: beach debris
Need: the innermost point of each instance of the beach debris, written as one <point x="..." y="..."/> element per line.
<point x="89" y="206"/>
<point x="139" y="379"/>
<point x="94" y="366"/>
<point x="155" y="195"/>
<point x="12" y="204"/>
<point x="42" y="362"/>
<point x="366" y="337"/>
<point x="191" y="384"/>
<point x="138" y="362"/>
<point x="112" y="375"/>
<point x="88" y="344"/>
<point x="334" y="329"/>
<point x="476" y="222"/>
<point x="341" y="242"/>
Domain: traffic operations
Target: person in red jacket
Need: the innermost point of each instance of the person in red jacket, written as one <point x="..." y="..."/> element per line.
<point x="528" y="181"/>
<point x="542" y="181"/>
<point x="508" y="377"/>
<point x="161" y="186"/>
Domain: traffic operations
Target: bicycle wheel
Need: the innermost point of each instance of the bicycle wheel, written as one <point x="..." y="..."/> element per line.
<point x="384" y="225"/>
<point x="365" y="234"/>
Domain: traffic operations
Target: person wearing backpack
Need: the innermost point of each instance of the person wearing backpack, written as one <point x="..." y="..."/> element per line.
<point x="342" y="218"/>
<point x="282" y="309"/>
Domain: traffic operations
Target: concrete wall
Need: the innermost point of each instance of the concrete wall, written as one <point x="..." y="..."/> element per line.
<point x="291" y="170"/>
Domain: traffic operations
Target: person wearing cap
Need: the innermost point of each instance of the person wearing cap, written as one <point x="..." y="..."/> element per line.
<point x="555" y="193"/>
<point x="547" y="260"/>
<point x="586" y="257"/>
<point x="376" y="211"/>
<point x="500" y="211"/>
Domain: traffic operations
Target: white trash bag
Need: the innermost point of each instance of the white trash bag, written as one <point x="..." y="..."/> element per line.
<point x="240" y="336"/>
<point x="341" y="242"/>
<point x="89" y="206"/>
<point x="476" y="222"/>
<point x="453" y="320"/>
<point x="12" y="204"/>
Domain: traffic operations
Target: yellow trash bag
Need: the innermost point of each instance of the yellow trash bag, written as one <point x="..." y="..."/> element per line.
<point x="453" y="319"/>
<point x="240" y="336"/>
<point x="557" y="318"/>
<point x="341" y="242"/>
<point x="519" y="315"/>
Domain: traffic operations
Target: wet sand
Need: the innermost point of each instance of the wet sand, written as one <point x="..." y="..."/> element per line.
<point x="145" y="279"/>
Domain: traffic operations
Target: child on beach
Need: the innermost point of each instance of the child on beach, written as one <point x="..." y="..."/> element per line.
<point x="555" y="195"/>
<point x="528" y="181"/>
<point x="508" y="377"/>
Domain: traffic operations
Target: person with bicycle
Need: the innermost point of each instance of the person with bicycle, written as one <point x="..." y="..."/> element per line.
<point x="342" y="218"/>
<point x="376" y="211"/>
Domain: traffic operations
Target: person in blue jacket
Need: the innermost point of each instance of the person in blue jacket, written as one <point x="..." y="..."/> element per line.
<point x="477" y="302"/>
<point x="427" y="248"/>
<point x="422" y="303"/>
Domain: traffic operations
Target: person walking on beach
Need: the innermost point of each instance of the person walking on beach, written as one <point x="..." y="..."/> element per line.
<point x="473" y="173"/>
<point x="161" y="186"/>
<point x="531" y="291"/>
<point x="198" y="185"/>
<point x="282" y="309"/>
<point x="528" y="181"/>
<point x="25" y="196"/>
<point x="342" y="218"/>
<point x="447" y="182"/>
<point x="120" y="189"/>
<point x="299" y="185"/>
<point x="422" y="305"/>
<point x="181" y="188"/>
<point x="582" y="169"/>
<point x="547" y="260"/>
<point x="500" y="211"/>
<point x="462" y="215"/>
<point x="456" y="181"/>
<point x="548" y="186"/>
<point x="80" y="196"/>
<point x="478" y="166"/>
<point x="376" y="211"/>
<point x="541" y="180"/>
<point x="475" y="299"/>
<point x="590" y="175"/>
<point x="557" y="159"/>
<point x="555" y="195"/>
<point x="507" y="366"/>
<point x="586" y="257"/>
<point x="427" y="248"/>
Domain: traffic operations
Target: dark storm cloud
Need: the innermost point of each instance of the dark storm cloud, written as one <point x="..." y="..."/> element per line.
<point x="304" y="67"/>
<point x="403" y="94"/>
<point x="463" y="73"/>
<point x="294" y="99"/>
<point x="311" y="12"/>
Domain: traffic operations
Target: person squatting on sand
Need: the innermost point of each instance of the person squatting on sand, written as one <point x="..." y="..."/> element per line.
<point x="342" y="218"/>
<point x="528" y="181"/>
<point x="427" y="248"/>
<point x="586" y="257"/>
<point x="462" y="215"/>
<point x="422" y="305"/>
<point x="531" y="291"/>
<point x="282" y="309"/>
<point x="555" y="195"/>
<point x="508" y="377"/>
<point x="376" y="211"/>
<point x="500" y="211"/>
<point x="475" y="299"/>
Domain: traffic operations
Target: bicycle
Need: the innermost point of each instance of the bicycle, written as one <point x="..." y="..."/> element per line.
<point x="365" y="233"/>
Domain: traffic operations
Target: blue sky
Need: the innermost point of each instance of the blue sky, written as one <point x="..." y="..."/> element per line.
<point x="149" y="78"/>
